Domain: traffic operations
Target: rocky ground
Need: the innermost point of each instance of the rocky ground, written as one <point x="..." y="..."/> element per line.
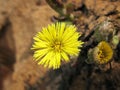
<point x="19" y="22"/>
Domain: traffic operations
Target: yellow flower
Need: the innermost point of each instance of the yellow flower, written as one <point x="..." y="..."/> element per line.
<point x="56" y="43"/>
<point x="103" y="53"/>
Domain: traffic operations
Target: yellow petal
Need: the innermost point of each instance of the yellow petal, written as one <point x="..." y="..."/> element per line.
<point x="40" y="53"/>
<point x="64" y="56"/>
<point x="45" y="60"/>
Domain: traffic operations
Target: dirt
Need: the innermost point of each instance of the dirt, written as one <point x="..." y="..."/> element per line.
<point x="19" y="22"/>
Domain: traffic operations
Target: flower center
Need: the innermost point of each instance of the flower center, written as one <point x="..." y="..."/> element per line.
<point x="101" y="54"/>
<point x="57" y="46"/>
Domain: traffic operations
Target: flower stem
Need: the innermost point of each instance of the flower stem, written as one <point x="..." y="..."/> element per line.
<point x="110" y="66"/>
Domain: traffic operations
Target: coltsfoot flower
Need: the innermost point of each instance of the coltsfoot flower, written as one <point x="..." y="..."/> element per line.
<point x="102" y="53"/>
<point x="56" y="43"/>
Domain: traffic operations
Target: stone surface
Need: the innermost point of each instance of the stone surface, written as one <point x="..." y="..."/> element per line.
<point x="26" y="17"/>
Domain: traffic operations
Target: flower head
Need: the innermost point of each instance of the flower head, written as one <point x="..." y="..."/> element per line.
<point x="102" y="53"/>
<point x="56" y="43"/>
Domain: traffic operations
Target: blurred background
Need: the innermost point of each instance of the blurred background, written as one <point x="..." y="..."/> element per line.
<point x="20" y="20"/>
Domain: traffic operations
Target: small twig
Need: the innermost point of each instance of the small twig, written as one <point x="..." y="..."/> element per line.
<point x="110" y="66"/>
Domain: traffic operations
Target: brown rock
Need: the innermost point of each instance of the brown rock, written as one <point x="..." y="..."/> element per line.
<point x="26" y="19"/>
<point x="101" y="7"/>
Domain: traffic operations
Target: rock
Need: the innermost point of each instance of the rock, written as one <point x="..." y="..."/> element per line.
<point x="26" y="19"/>
<point x="101" y="7"/>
